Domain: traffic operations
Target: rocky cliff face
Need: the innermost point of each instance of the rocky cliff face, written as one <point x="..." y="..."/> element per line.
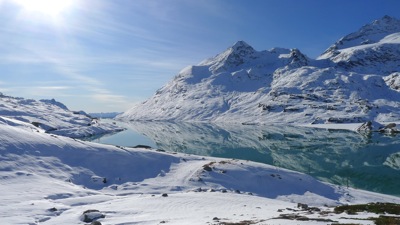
<point x="354" y="80"/>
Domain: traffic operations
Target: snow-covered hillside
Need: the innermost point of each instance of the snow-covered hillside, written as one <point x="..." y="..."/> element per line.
<point x="50" y="179"/>
<point x="355" y="80"/>
<point x="53" y="117"/>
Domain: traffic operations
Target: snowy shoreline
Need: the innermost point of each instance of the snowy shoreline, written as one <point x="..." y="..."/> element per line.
<point x="52" y="179"/>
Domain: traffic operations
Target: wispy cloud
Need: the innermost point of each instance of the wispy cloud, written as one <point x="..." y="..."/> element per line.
<point x="68" y="68"/>
<point x="54" y="88"/>
<point x="48" y="91"/>
<point x="4" y="88"/>
<point x="136" y="41"/>
<point x="97" y="89"/>
<point x="110" y="98"/>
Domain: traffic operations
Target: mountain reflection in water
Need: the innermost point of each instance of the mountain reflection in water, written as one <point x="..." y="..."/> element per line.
<point x="370" y="162"/>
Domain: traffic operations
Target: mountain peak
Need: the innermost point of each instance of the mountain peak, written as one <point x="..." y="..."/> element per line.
<point x="298" y="58"/>
<point x="234" y="56"/>
<point x="386" y="20"/>
<point x="240" y="44"/>
<point x="242" y="48"/>
<point x="367" y="34"/>
<point x="385" y="25"/>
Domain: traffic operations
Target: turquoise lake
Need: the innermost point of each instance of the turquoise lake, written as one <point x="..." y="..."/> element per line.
<point x="363" y="161"/>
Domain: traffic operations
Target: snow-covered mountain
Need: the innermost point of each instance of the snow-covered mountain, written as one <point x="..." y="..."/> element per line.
<point x="53" y="117"/>
<point x="355" y="80"/>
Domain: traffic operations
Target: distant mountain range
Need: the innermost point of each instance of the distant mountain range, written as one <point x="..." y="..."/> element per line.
<point x="105" y="115"/>
<point x="357" y="79"/>
<point x="51" y="116"/>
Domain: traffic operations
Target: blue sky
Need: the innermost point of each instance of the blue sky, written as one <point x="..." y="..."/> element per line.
<point x="107" y="55"/>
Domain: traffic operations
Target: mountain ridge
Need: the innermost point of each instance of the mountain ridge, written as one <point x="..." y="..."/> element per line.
<point x="242" y="85"/>
<point x="51" y="116"/>
<point x="367" y="34"/>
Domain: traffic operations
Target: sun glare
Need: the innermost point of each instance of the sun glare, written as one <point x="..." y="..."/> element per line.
<point x="47" y="7"/>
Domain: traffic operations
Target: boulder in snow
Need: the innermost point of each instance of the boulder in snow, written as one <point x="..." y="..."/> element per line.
<point x="91" y="215"/>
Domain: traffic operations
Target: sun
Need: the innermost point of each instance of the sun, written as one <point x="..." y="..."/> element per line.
<point x="46" y="7"/>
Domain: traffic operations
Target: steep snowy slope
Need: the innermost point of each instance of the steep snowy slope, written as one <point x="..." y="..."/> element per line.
<point x="351" y="82"/>
<point x="52" y="117"/>
<point x="382" y="57"/>
<point x="368" y="34"/>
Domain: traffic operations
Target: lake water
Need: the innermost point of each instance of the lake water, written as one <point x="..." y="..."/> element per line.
<point x="370" y="162"/>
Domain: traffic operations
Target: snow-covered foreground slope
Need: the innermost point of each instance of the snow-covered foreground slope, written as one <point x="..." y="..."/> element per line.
<point x="355" y="80"/>
<point x="53" y="117"/>
<point x="49" y="179"/>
